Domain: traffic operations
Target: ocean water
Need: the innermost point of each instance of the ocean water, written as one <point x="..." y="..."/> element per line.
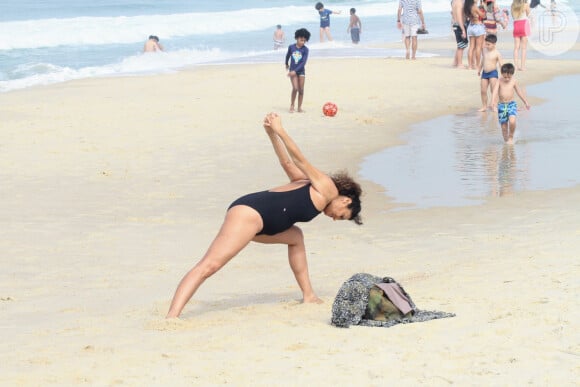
<point x="459" y="160"/>
<point x="48" y="41"/>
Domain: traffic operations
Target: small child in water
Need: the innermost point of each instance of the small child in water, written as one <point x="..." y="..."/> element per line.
<point x="507" y="108"/>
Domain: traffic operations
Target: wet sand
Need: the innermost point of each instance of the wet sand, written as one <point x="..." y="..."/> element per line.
<point x="473" y="161"/>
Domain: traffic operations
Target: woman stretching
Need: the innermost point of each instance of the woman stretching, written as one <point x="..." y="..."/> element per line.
<point x="269" y="216"/>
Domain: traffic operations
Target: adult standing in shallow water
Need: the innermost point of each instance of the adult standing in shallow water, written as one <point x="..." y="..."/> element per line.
<point x="269" y="216"/>
<point x="279" y="37"/>
<point x="354" y="26"/>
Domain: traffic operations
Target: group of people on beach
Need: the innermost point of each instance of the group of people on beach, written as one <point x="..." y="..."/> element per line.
<point x="475" y="27"/>
<point x="354" y="26"/>
<point x="270" y="216"/>
<point x="473" y="21"/>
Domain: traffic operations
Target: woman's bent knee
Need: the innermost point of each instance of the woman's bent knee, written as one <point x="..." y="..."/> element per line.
<point x="208" y="268"/>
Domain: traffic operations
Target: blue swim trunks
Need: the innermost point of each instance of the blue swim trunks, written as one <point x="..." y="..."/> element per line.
<point x="491" y="74"/>
<point x="505" y="110"/>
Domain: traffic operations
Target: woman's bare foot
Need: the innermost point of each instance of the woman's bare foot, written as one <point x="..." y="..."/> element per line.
<point x="313" y="299"/>
<point x="300" y="110"/>
<point x="291" y="109"/>
<point x="483" y="109"/>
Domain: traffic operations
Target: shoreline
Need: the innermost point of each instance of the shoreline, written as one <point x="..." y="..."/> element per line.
<point x="438" y="46"/>
<point x="114" y="187"/>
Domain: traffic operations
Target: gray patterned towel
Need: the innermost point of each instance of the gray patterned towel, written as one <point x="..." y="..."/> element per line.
<point x="351" y="302"/>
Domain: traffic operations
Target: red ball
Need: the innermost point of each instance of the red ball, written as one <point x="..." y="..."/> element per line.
<point x="329" y="109"/>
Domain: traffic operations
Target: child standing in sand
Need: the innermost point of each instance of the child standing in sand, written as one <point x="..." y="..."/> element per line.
<point x="488" y="69"/>
<point x="507" y="108"/>
<point x="295" y="61"/>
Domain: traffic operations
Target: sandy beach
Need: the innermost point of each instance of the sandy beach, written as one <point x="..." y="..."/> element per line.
<point x="113" y="188"/>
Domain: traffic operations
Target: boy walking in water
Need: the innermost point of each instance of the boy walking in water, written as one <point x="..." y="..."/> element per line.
<point x="324" y="21"/>
<point x="507" y="108"/>
<point x="488" y="69"/>
<point x="354" y="26"/>
<point x="295" y="61"/>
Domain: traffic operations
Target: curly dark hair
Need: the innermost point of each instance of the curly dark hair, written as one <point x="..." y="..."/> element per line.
<point x="302" y="33"/>
<point x="348" y="187"/>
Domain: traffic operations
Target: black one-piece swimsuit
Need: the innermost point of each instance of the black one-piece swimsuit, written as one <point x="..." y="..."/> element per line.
<point x="280" y="210"/>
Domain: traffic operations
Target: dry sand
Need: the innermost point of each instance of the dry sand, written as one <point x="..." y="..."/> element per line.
<point x="113" y="188"/>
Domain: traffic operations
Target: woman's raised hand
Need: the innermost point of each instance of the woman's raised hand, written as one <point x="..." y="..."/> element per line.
<point x="267" y="127"/>
<point x="274" y="122"/>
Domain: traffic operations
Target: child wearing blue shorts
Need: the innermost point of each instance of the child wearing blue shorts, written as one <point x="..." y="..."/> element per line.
<point x="507" y="108"/>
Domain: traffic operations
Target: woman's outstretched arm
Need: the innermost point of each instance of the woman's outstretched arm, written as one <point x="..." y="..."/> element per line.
<point x="294" y="173"/>
<point x="320" y="181"/>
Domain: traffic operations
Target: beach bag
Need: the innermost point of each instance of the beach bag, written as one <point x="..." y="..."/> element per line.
<point x="381" y="308"/>
<point x="362" y="300"/>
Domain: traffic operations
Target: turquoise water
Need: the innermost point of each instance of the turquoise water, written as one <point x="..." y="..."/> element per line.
<point x="460" y="160"/>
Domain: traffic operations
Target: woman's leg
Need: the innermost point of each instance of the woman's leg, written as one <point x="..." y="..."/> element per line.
<point x="240" y="226"/>
<point x="294" y="238"/>
<point x="470" y="52"/>
<point x="478" y="49"/>
<point x="516" y="51"/>
<point x="524" y="46"/>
